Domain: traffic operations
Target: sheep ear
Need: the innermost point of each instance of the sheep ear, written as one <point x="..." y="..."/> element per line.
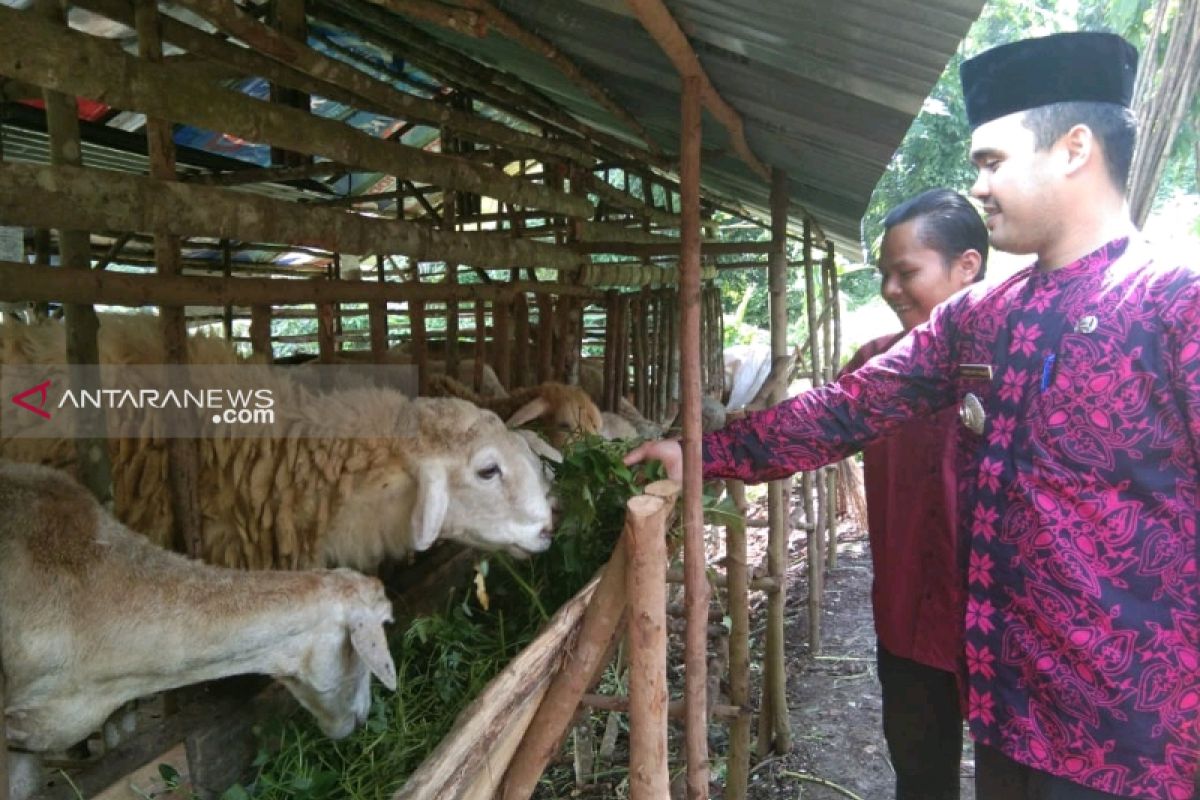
<point x="429" y="512"/>
<point x="530" y="411"/>
<point x="540" y="446"/>
<point x="371" y="645"/>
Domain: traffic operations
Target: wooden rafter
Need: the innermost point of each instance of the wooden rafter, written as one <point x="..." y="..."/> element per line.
<point x="47" y="197"/>
<point x="657" y="20"/>
<point x="460" y="20"/>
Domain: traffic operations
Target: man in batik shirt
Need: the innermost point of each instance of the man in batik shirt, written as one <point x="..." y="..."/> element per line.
<point x="1078" y="382"/>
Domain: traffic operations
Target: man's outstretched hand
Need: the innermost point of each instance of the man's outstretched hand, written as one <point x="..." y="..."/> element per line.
<point x="667" y="451"/>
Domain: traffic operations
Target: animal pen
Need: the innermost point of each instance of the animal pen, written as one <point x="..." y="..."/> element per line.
<point x="470" y="180"/>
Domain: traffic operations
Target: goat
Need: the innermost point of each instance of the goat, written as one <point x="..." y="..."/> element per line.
<point x="312" y="494"/>
<point x="94" y="615"/>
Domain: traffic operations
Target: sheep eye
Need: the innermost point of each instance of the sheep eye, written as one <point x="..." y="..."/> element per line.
<point x="489" y="472"/>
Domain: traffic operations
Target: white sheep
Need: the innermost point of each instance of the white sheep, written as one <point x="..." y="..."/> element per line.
<point x="93" y="615"/>
<point x="311" y="494"/>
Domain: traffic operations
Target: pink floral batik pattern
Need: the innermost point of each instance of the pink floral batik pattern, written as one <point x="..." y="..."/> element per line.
<point x="1078" y="504"/>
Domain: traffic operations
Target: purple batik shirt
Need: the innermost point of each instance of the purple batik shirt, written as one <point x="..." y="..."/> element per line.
<point x="1078" y="504"/>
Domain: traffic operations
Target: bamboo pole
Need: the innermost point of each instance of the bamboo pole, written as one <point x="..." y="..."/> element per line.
<point x="63" y="60"/>
<point x="667" y="248"/>
<point x="91" y="454"/>
<point x="545" y="337"/>
<point x="696" y="588"/>
<point x="816" y="570"/>
<point x="775" y="668"/>
<point x="45" y="196"/>
<point x="831" y="363"/>
<point x="645" y="538"/>
<point x="737" y="772"/>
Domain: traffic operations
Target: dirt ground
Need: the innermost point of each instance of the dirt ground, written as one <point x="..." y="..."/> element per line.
<point x="834" y="697"/>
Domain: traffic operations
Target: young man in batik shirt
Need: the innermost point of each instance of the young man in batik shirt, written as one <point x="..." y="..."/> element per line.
<point x="933" y="246"/>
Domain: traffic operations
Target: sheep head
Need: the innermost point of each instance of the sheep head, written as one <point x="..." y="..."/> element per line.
<point x="493" y="494"/>
<point x="332" y="680"/>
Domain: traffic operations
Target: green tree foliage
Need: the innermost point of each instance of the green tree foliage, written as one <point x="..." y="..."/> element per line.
<point x="934" y="152"/>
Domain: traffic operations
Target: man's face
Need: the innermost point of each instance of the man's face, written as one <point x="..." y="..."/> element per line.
<point x="915" y="277"/>
<point x="1017" y="184"/>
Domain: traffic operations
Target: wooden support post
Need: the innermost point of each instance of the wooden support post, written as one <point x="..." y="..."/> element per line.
<point x="260" y="331"/>
<point x="641" y="332"/>
<point x="775" y="668"/>
<point x="696" y="587"/>
<point x="74" y="247"/>
<point x="610" y="350"/>
<point x="183" y="454"/>
<point x="645" y="539"/>
<point x="816" y="569"/>
<point x="737" y="773"/>
<point x="377" y="316"/>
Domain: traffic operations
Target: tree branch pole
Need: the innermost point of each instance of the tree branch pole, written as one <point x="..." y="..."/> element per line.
<point x="696" y="589"/>
<point x="816" y="553"/>
<point x="775" y="679"/>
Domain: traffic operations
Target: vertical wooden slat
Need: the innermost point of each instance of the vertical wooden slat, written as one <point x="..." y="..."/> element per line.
<point x="260" y="331"/>
<point x="502" y="358"/>
<point x="74" y="248"/>
<point x="183" y="454"/>
<point x="611" y="349"/>
<point x="545" y="337"/>
<point x="520" y="376"/>
<point x="377" y="316"/>
<point x="327" y="344"/>
<point x="227" y="271"/>
<point x="775" y="668"/>
<point x="416" y="316"/>
<point x="641" y="332"/>
<point x="480" y="342"/>
<point x="695" y="582"/>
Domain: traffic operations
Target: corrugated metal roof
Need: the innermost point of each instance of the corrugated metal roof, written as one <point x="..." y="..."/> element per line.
<point x="826" y="88"/>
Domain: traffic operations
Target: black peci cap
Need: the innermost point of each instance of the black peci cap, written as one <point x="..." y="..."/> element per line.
<point x="1090" y="67"/>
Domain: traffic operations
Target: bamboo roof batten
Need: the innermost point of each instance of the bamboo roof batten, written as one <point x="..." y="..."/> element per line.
<point x="33" y="51"/>
<point x="382" y="97"/>
<point x="509" y="27"/>
<point x="657" y="20"/>
<point x="100" y="200"/>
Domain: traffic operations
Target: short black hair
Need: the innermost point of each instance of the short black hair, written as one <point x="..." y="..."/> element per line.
<point x="1113" y="125"/>
<point x="949" y="225"/>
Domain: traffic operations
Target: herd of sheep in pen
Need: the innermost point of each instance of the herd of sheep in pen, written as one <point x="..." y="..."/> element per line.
<point x="308" y="510"/>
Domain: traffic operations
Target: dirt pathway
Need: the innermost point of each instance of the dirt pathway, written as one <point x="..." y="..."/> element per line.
<point x="834" y="699"/>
